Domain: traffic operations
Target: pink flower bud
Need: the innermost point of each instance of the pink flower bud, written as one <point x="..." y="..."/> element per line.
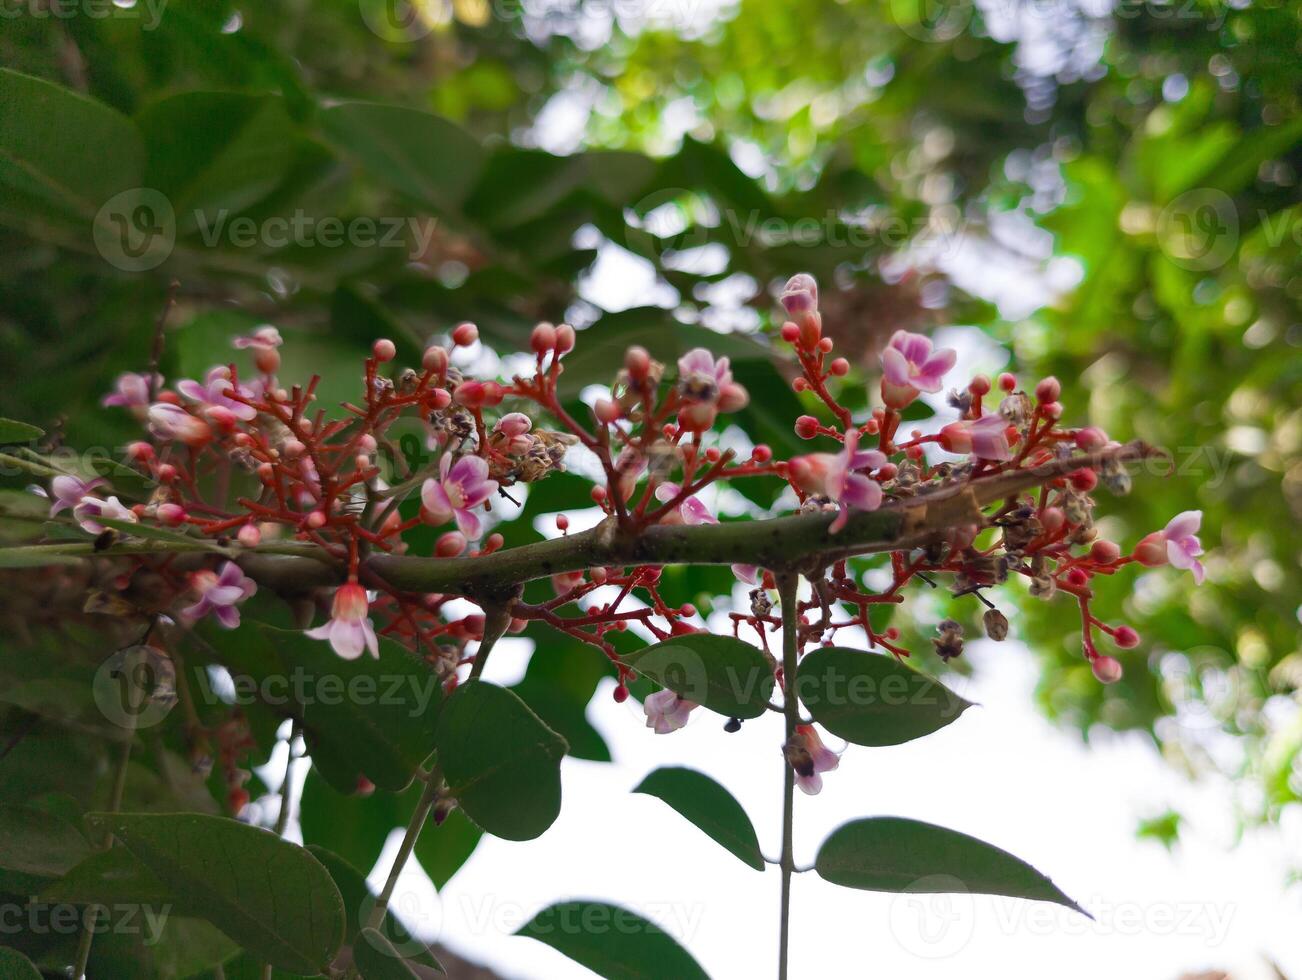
<point x="1052" y="519"/>
<point x="1106" y="669"/>
<point x="790" y="332"/>
<point x="980" y="385"/>
<point x="472" y="394"/>
<point x="1048" y="390"/>
<point x="1126" y="638"/>
<point x="564" y="339"/>
<point x="1151" y="550"/>
<point x="367" y="443"/>
<point x="840" y="367"/>
<point x="292" y="449"/>
<point x="806" y="427"/>
<point x="1083" y="480"/>
<point x="450" y="545"/>
<point x="435" y="359"/>
<point x="384" y="350"/>
<point x="1090" y="439"/>
<point x="1104" y="551"/>
<point x="465" y="334"/>
<point x="638" y="362"/>
<point x="249" y="536"/>
<point x="316" y="519"/>
<point x="606" y="411"/>
<point x="440" y="398"/>
<point x="543" y="338"/>
<point x="172" y="514"/>
<point x="1008" y="382"/>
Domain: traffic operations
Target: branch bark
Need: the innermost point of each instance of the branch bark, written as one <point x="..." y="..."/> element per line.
<point x="777" y="543"/>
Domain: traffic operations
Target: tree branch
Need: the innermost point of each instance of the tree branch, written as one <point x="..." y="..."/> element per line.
<point x="777" y="543"/>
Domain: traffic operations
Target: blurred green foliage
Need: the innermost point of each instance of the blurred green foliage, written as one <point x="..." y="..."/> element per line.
<point x="1114" y="196"/>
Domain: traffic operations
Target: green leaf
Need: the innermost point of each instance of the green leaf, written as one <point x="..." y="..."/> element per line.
<point x="11" y="431"/>
<point x="871" y="699"/>
<point x="612" y="942"/>
<point x="38" y="847"/>
<point x="15" y="966"/>
<point x="722" y="673"/>
<point x="108" y="878"/>
<point x="414" y="152"/>
<point x="558" y="685"/>
<point x="378" y="960"/>
<point x="894" y="854"/>
<point x="215" y="152"/>
<point x="502" y="764"/>
<point x="60" y="152"/>
<point x="708" y="805"/>
<point x="270" y="896"/>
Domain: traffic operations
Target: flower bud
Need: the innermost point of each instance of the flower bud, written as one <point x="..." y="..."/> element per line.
<point x="435" y="359"/>
<point x="1151" y="550"/>
<point x="1090" y="439"/>
<point x="450" y="545"/>
<point x="1106" y="669"/>
<point x="1048" y="390"/>
<point x="1104" y="551"/>
<point x="170" y="513"/>
<point x="465" y="334"/>
<point x="1126" y="638"/>
<point x="564" y="339"/>
<point x="249" y="536"/>
<point x="384" y="350"/>
<point x="543" y="338"/>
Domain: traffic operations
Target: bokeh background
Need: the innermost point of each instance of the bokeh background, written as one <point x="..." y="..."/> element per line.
<point x="1107" y="192"/>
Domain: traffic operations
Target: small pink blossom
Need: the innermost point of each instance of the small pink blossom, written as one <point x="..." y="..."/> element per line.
<point x="822" y="760"/>
<point x="173" y="423"/>
<point x="511" y="434"/>
<point x="89" y="508"/>
<point x="706" y="388"/>
<point x="220" y="594"/>
<point x="349" y="629"/>
<point x="985" y="438"/>
<point x="216" y="392"/>
<point x="910" y="366"/>
<point x="132" y="391"/>
<point x="690" y="511"/>
<point x="666" y="712"/>
<point x="750" y="574"/>
<point x="848" y="485"/>
<point x="69" y="490"/>
<point x="264" y="343"/>
<point x="1182" y="544"/>
<point x="840" y="477"/>
<point x="462" y="486"/>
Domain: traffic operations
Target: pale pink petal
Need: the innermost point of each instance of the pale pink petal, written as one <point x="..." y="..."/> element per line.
<point x="1183" y="525"/>
<point x="895" y="367"/>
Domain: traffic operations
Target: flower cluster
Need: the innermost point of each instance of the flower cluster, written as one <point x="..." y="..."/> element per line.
<point x="252" y="463"/>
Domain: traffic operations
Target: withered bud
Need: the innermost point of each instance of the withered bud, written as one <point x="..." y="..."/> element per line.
<point x="798" y="756"/>
<point x="996" y="624"/>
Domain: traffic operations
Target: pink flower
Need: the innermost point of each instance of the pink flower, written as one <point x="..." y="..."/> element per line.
<point x="910" y="366"/>
<point x="173" y="423"/>
<point x="1182" y="544"/>
<point x="461" y="487"/>
<point x="511" y="434"/>
<point x="690" y="511"/>
<point x="821" y="759"/>
<point x="219" y="594"/>
<point x="747" y="573"/>
<point x="349" y="629"/>
<point x="666" y="712"/>
<point x="706" y="388"/>
<point x="985" y="438"/>
<point x="839" y="477"/>
<point x="89" y="508"/>
<point x="68" y="491"/>
<point x="263" y="342"/>
<point x="132" y="391"/>
<point x="216" y="392"/>
<point x="850" y="487"/>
